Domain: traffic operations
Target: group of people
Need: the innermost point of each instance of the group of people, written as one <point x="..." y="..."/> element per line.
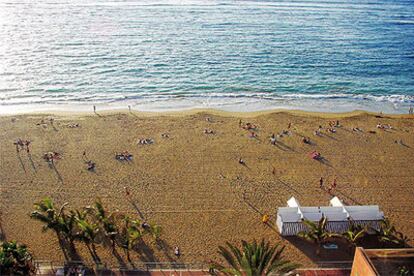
<point x="51" y="156"/>
<point x="22" y="144"/>
<point x="145" y="141"/>
<point x="382" y="126"/>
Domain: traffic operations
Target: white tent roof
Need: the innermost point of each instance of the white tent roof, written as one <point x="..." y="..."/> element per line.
<point x="336" y="212"/>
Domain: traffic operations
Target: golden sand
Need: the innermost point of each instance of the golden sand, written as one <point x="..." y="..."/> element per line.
<point x="192" y="183"/>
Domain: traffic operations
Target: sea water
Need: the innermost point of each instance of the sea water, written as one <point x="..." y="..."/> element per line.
<point x="330" y="55"/>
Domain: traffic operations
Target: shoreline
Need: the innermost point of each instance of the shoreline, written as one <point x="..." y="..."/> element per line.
<point x="212" y="111"/>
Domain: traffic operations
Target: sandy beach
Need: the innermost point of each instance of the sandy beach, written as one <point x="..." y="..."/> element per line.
<point x="192" y="184"/>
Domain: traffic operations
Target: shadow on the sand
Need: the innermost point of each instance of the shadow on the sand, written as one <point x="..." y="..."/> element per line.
<point x="324" y="161"/>
<point x="288" y="186"/>
<point x="118" y="258"/>
<point x="141" y="215"/>
<point x="282" y="146"/>
<point x="21" y="162"/>
<point x="69" y="250"/>
<point x="29" y="155"/>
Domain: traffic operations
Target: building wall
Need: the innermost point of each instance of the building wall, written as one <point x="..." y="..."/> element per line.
<point x="361" y="265"/>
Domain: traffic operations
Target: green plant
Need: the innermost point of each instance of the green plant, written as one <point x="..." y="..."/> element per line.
<point x="354" y="234"/>
<point x="317" y="232"/>
<point x="15" y="259"/>
<point x="254" y="259"/>
<point x="388" y="235"/>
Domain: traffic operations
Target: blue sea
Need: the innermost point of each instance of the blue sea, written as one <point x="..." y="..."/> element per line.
<point x="330" y="55"/>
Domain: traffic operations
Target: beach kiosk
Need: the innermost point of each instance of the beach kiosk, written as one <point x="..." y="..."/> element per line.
<point x="289" y="219"/>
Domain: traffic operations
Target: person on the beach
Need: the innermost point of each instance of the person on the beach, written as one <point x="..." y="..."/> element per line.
<point x="129" y="108"/>
<point x="273" y="139"/>
<point x="274" y="171"/>
<point x="265" y="218"/>
<point x="411" y="110"/>
<point x="241" y="161"/>
<point x="27" y="146"/>
<point x="90" y="165"/>
<point x="289" y="125"/>
<point x="252" y="134"/>
<point x="240" y="123"/>
<point x="94" y="109"/>
<point x="177" y="252"/>
<point x="334" y="183"/>
<point x="127" y="192"/>
<point x="321" y="182"/>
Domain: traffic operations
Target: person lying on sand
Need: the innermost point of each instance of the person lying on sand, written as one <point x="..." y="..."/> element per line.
<point x="123" y="156"/>
<point x="165" y="135"/>
<point x="357" y="129"/>
<point x="208" y="131"/>
<point x="249" y="126"/>
<point x="90" y="165"/>
<point x="381" y="126"/>
<point x="145" y="141"/>
<point x="315" y="155"/>
<point x="73" y="125"/>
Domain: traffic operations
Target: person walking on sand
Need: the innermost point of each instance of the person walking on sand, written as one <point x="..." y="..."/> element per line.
<point x="177" y="251"/>
<point x="321" y="183"/>
<point x="129" y="108"/>
<point x="334" y="183"/>
<point x="265" y="219"/>
<point x="411" y="110"/>
<point x="94" y="109"/>
<point x="127" y="192"/>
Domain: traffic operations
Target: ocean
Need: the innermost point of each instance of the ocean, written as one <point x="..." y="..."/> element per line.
<point x="331" y="56"/>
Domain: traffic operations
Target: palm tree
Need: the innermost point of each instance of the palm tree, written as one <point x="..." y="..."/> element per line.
<point x="15" y="259"/>
<point x="354" y="234"/>
<point x="46" y="212"/>
<point x="107" y="223"/>
<point x="87" y="232"/>
<point x="129" y="235"/>
<point x="58" y="221"/>
<point x="253" y="259"/>
<point x="317" y="232"/>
